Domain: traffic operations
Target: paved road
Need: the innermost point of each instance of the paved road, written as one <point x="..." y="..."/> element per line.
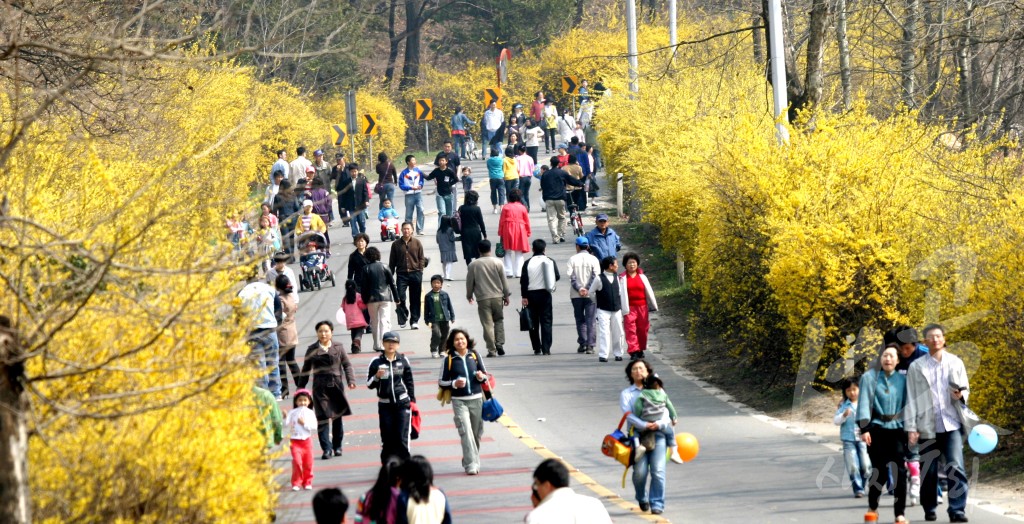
<point x="750" y="468"/>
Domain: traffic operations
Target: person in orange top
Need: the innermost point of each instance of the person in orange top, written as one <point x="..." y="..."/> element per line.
<point x="641" y="299"/>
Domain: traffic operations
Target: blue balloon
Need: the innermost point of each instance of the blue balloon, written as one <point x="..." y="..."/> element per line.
<point x="983" y="439"/>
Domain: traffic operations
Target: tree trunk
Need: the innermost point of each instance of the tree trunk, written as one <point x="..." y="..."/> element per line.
<point x="577" y="20"/>
<point x="411" y="67"/>
<point x="15" y="504"/>
<point x="934" y="19"/>
<point x="908" y="56"/>
<point x="965" y="62"/>
<point x="759" y="56"/>
<point x="389" y="72"/>
<point x="844" y="54"/>
<point x="815" y="80"/>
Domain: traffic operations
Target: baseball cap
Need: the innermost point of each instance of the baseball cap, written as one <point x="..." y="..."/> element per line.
<point x="602" y="216"/>
<point x="582" y="241"/>
<point x="318" y="152"/>
<point x="391" y="336"/>
<point x="339" y="155"/>
<point x="310" y="169"/>
<point x="307" y="203"/>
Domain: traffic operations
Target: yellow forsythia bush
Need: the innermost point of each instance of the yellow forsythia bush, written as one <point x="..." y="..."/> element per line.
<point x="861" y="221"/>
<point x="141" y="388"/>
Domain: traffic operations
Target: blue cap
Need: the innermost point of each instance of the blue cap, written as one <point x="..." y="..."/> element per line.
<point x="602" y="216"/>
<point x="582" y="242"/>
<point x="391" y="336"/>
<point x="318" y="152"/>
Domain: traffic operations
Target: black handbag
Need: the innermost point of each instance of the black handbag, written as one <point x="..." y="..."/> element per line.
<point x="525" y="321"/>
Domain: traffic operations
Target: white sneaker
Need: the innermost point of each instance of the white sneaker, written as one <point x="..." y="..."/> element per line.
<point x="309" y="488"/>
<point x="675" y="456"/>
<point x="295" y="488"/>
<point x="639" y="452"/>
<point x="434" y="354"/>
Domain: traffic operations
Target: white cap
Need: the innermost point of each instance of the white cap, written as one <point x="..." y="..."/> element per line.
<point x="307" y="203"/>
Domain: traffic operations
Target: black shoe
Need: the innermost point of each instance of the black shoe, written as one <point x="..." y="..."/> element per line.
<point x="337" y="452"/>
<point x="657" y="511"/>
<point x="548" y="353"/>
<point x="618" y="359"/>
<point x="958" y="517"/>
<point x="645" y="506"/>
<point x="602" y="359"/>
<point x="536" y="352"/>
<point x="327" y="454"/>
<point x="930" y="516"/>
<point x="501" y="351"/>
<point x="581" y="349"/>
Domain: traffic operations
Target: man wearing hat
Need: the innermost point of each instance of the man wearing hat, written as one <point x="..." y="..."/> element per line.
<point x="604" y="241"/>
<point x="281" y="268"/>
<point x="323" y="169"/>
<point x="582" y="269"/>
<point x="391" y="376"/>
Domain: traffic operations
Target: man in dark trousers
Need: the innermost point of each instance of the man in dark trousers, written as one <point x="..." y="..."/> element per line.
<point x="407" y="262"/>
<point x="537" y="285"/>
<point x="391" y="375"/>
<point x="552" y="187"/>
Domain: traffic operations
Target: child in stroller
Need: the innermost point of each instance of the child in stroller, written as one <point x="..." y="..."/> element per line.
<point x="389" y="222"/>
<point x="313" y="261"/>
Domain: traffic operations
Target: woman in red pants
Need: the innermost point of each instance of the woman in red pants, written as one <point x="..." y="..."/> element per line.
<point x="641" y="300"/>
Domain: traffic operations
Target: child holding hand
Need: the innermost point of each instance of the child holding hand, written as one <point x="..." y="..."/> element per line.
<point x="301" y="423"/>
<point x="855" y="451"/>
<point x="653" y="405"/>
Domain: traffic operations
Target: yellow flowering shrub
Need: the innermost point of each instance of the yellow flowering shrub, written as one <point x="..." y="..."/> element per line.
<point x="119" y="277"/>
<point x="860" y="221"/>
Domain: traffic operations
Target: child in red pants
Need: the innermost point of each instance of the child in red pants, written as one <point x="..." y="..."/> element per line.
<point x="301" y="423"/>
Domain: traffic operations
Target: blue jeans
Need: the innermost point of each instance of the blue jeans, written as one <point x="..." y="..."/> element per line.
<point x="467" y="185"/>
<point x="445" y="206"/>
<point x="485" y="143"/>
<point x="652" y="462"/>
<point x="265" y="349"/>
<point x="460" y="145"/>
<point x="524" y="187"/>
<point x="497" y="191"/>
<point x="950" y="445"/>
<point x="584" y="310"/>
<point x="388" y="194"/>
<point x="858" y="464"/>
<point x="358" y="223"/>
<point x="510" y="185"/>
<point x="414" y="202"/>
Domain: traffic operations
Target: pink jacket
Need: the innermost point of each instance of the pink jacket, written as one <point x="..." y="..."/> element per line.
<point x="354" y="313"/>
<point x="514" y="228"/>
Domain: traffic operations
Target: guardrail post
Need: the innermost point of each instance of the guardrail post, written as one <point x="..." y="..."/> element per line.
<point x="618" y="193"/>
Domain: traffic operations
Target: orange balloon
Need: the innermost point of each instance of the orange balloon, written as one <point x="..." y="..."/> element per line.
<point x="688" y="446"/>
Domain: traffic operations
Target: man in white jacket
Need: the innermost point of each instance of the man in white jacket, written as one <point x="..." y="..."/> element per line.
<point x="937" y="389"/>
<point x="537" y="285"/>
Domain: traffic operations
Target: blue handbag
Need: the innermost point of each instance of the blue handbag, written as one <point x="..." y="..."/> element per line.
<point x="492" y="409"/>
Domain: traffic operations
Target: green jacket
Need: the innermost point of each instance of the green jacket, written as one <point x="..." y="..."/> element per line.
<point x="271" y="423"/>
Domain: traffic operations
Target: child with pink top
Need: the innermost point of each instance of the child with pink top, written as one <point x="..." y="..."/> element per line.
<point x="355" y="319"/>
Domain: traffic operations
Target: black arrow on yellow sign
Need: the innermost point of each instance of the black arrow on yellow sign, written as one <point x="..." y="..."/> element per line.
<point x="568" y="84"/>
<point x="424" y="109"/>
<point x="492" y="95"/>
<point x="339" y="138"/>
<point x="369" y="124"/>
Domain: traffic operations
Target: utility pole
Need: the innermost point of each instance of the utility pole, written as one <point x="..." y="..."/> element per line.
<point x="631" y="37"/>
<point x="778" y="71"/>
<point x="672" y="35"/>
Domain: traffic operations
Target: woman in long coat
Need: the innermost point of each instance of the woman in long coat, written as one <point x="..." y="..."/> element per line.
<point x="514" y="230"/>
<point x="473" y="229"/>
<point x="326" y="361"/>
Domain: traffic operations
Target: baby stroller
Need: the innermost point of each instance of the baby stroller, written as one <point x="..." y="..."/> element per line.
<point x="575" y="219"/>
<point x="389" y="229"/>
<point x="313" y="261"/>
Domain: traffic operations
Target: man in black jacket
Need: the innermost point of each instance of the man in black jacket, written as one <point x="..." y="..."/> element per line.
<point x="552" y="186"/>
<point x="407" y="262"/>
<point x="391" y="375"/>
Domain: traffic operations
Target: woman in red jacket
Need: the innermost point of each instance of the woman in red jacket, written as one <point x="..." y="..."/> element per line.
<point x="514" y="231"/>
